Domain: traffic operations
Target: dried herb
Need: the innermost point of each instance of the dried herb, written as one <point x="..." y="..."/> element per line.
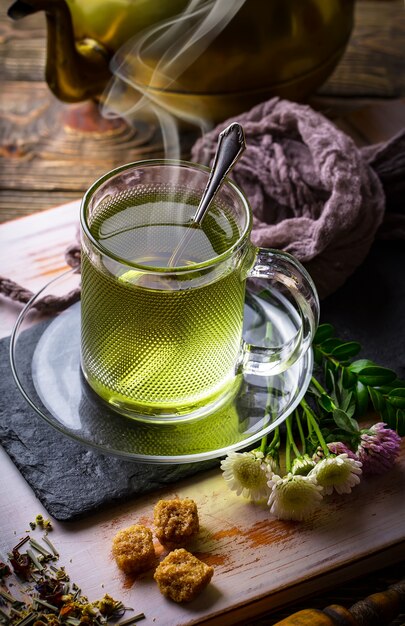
<point x="4" y="570"/>
<point x="21" y="564"/>
<point x="49" y="597"/>
<point x="43" y="523"/>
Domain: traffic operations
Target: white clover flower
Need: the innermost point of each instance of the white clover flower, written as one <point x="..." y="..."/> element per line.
<point x="302" y="465"/>
<point x="339" y="473"/>
<point x="294" y="497"/>
<point x="272" y="464"/>
<point x="247" y="474"/>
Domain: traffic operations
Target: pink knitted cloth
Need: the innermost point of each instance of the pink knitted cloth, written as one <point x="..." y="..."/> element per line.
<point x="311" y="191"/>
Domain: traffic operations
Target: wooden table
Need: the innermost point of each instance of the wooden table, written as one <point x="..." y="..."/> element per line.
<point x="261" y="564"/>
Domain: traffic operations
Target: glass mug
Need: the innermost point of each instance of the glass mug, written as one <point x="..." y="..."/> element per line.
<point x="162" y="308"/>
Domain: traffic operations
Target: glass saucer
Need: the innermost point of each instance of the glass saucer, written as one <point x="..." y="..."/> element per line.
<point x="45" y="360"/>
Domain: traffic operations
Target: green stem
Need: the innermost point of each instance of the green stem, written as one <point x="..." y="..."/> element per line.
<point x="328" y="357"/>
<point x="278" y="440"/>
<point x="273" y="445"/>
<point x="291" y="438"/>
<point x="275" y="442"/>
<point x="269" y="330"/>
<point x="318" y="386"/>
<point x="263" y="444"/>
<point x="301" y="432"/>
<point x="288" y="454"/>
<point x="323" y="392"/>
<point x="314" y="423"/>
<point x="309" y="426"/>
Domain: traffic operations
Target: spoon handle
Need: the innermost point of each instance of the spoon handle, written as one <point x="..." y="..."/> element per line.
<point x="231" y="144"/>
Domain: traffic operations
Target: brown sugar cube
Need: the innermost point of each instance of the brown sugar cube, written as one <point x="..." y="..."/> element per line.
<point x="176" y="521"/>
<point x="133" y="549"/>
<point x="181" y="576"/>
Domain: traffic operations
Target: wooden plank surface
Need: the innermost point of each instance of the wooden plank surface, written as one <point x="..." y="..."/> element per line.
<point x="260" y="563"/>
<point x="32" y="253"/>
<point x="373" y="64"/>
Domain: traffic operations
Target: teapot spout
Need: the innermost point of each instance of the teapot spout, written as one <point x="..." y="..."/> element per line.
<point x="20" y="9"/>
<point x="75" y="71"/>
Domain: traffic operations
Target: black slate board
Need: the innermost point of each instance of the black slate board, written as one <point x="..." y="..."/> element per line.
<point x="369" y="308"/>
<point x="55" y="465"/>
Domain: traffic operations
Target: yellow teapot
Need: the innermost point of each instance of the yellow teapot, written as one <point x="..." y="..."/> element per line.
<point x="260" y="48"/>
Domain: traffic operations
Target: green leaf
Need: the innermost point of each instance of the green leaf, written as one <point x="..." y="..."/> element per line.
<point x="317" y="355"/>
<point x="342" y="396"/>
<point x="361" y="394"/>
<point x="314" y="391"/>
<point x="347" y="397"/>
<point x="377" y="400"/>
<point x="325" y="331"/>
<point x="346" y="351"/>
<point x="396" y="384"/>
<point x="349" y="379"/>
<point x="344" y="422"/>
<point x="329" y="371"/>
<point x="347" y="402"/>
<point x="400" y="422"/>
<point x="331" y="344"/>
<point x="312" y="443"/>
<point x="326" y="403"/>
<point x="374" y="376"/>
<point x="390" y="416"/>
<point x="358" y="365"/>
<point x="396" y="397"/>
<point x="351" y="409"/>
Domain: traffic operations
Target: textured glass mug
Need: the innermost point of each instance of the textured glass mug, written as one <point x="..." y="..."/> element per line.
<point x="163" y="341"/>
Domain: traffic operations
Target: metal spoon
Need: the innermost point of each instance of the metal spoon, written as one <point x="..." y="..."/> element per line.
<point x="231" y="144"/>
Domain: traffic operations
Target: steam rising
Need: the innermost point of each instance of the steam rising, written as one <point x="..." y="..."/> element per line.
<point x="159" y="56"/>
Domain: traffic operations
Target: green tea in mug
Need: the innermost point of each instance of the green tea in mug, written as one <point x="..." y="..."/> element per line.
<point x="160" y="345"/>
<point x="163" y="301"/>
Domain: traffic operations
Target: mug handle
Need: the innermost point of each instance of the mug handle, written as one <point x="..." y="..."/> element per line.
<point x="301" y="304"/>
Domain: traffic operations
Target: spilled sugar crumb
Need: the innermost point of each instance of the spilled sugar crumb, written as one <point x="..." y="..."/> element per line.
<point x="234" y="531"/>
<point x="215" y="560"/>
<point x="267" y="532"/>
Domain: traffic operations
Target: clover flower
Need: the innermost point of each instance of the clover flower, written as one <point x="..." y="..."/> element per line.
<point x="272" y="462"/>
<point x="294" y="497"/>
<point x="378" y="448"/>
<point x="302" y="465"/>
<point x="247" y="474"/>
<point x="335" y="447"/>
<point x="339" y="473"/>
